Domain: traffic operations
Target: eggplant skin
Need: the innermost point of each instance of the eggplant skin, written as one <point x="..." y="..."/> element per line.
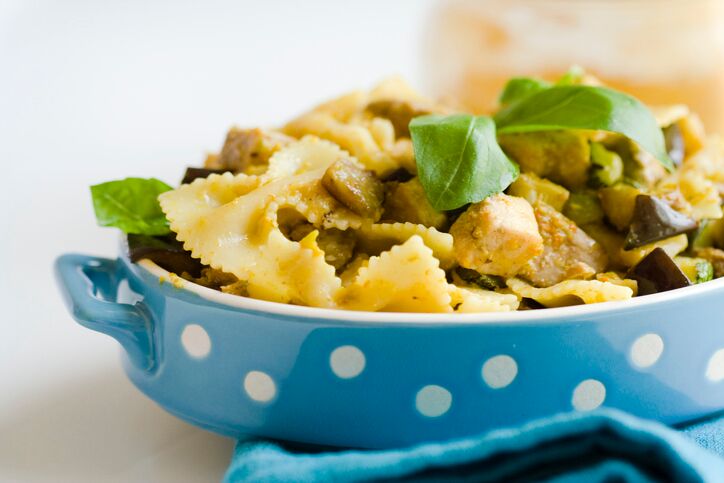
<point x="657" y="272"/>
<point x="654" y="220"/>
<point x="675" y="143"/>
<point x="165" y="251"/>
<point x="196" y="173"/>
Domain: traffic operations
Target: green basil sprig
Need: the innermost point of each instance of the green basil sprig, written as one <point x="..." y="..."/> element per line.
<point x="590" y="108"/>
<point x="519" y="88"/>
<point x="459" y="160"/>
<point x="132" y="205"/>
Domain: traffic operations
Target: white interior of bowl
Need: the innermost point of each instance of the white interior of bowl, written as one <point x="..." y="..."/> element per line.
<point x="397" y="317"/>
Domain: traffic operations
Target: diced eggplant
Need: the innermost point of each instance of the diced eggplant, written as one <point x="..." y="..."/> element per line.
<point x="583" y="208"/>
<point x="356" y="188"/>
<point x="675" y="143"/>
<point x="530" y="304"/>
<point x="400" y="175"/>
<point x="399" y="113"/>
<point x="488" y="282"/>
<point x="165" y="251"/>
<point x="657" y="272"/>
<point x="618" y="204"/>
<point x="217" y="279"/>
<point x="196" y="173"/>
<point x="654" y="220"/>
<point x="337" y="245"/>
<point x="245" y="148"/>
<point x="564" y="157"/>
<point x="606" y="167"/>
<point x="408" y="202"/>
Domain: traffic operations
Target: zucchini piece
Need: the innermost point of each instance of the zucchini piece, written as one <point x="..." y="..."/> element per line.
<point x="697" y="270"/>
<point x="654" y="220"/>
<point x="534" y="189"/>
<point x="584" y="208"/>
<point x="657" y="272"/>
<point x="606" y="167"/>
<point x="709" y="234"/>
<point x="713" y="256"/>
<point x="703" y="236"/>
<point x="639" y="166"/>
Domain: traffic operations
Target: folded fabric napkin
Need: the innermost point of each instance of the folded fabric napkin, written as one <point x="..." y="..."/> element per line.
<point x="605" y="445"/>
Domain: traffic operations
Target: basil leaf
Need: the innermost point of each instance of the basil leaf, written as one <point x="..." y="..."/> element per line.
<point x="131" y="205"/>
<point x="459" y="160"/>
<point x="519" y="88"/>
<point x="573" y="76"/>
<point x="589" y="108"/>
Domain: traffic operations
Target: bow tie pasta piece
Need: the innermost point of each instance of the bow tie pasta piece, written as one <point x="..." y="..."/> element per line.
<point x="190" y="203"/>
<point x="318" y="207"/>
<point x="286" y="272"/>
<point x="378" y="237"/>
<point x="308" y="154"/>
<point x="407" y="278"/>
<point x="242" y="237"/>
<point x="571" y="292"/>
<point x="356" y="138"/>
<point x="372" y="126"/>
<point x="470" y="299"/>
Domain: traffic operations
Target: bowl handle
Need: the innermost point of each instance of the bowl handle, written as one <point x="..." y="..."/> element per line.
<point x="89" y="286"/>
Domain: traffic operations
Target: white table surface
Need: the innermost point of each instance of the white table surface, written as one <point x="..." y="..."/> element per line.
<point x="93" y="91"/>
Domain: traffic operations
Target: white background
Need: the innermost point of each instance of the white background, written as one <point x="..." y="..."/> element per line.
<point x="92" y="91"/>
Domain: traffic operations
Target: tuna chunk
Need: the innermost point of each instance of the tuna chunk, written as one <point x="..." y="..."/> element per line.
<point x="497" y="236"/>
<point x="568" y="252"/>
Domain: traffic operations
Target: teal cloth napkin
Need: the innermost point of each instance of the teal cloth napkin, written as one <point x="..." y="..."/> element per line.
<point x="604" y="445"/>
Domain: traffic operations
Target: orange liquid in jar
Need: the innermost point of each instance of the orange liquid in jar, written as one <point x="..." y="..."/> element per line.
<point x="661" y="51"/>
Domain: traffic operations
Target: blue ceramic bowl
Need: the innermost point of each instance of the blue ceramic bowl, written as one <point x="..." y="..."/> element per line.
<point x="236" y="366"/>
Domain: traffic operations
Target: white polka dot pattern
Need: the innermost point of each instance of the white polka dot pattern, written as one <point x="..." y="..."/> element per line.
<point x="647" y="350"/>
<point x="499" y="371"/>
<point x="433" y="401"/>
<point x="347" y="361"/>
<point x="715" y="368"/>
<point x="260" y="386"/>
<point x="195" y="341"/>
<point x="588" y="395"/>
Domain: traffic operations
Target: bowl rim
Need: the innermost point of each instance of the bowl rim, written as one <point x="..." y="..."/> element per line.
<point x="577" y="312"/>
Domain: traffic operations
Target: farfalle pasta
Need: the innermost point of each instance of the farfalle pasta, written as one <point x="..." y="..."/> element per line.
<point x="384" y="200"/>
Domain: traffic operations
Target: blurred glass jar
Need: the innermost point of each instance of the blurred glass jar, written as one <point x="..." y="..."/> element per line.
<point x="661" y="51"/>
